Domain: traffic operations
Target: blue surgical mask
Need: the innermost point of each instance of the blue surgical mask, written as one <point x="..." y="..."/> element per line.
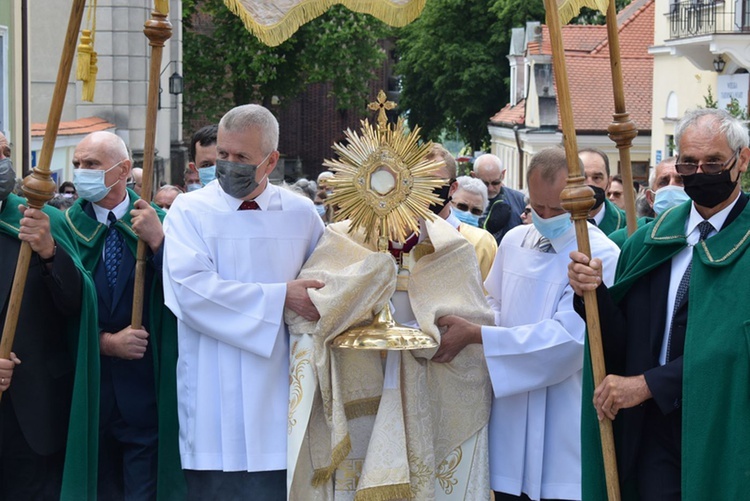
<point x="321" y="209"/>
<point x="466" y="217"/>
<point x="194" y="186"/>
<point x="90" y="183"/>
<point x="207" y="174"/>
<point x="552" y="227"/>
<point x="669" y="196"/>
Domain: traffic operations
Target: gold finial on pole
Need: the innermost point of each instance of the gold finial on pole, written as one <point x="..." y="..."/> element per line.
<point x="381" y="105"/>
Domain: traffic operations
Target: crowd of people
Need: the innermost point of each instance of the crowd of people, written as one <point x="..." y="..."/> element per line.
<point x="230" y="386"/>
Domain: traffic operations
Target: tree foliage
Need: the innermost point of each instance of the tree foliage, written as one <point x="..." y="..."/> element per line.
<point x="225" y="65"/>
<point x="454" y="66"/>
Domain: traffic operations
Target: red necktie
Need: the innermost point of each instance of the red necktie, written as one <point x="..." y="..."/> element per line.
<point x="249" y="205"/>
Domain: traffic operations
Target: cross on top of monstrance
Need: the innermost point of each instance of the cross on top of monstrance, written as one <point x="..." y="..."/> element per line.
<point x="383" y="184"/>
<point x="381" y="105"/>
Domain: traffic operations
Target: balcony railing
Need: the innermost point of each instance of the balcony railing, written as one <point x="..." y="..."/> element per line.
<point x="689" y="18"/>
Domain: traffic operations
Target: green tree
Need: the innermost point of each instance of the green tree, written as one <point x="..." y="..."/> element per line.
<point x="454" y="65"/>
<point x="225" y="65"/>
<point x="736" y="110"/>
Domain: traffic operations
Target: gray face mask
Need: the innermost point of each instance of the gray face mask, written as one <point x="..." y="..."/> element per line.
<point x="7" y="178"/>
<point x="236" y="179"/>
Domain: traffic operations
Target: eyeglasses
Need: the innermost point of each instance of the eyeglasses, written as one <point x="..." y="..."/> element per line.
<point x="493" y="183"/>
<point x="465" y="207"/>
<point x="527" y="211"/>
<point x="711" y="168"/>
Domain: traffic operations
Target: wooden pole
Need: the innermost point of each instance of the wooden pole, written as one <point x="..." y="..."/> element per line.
<point x="577" y="198"/>
<point x="38" y="187"/>
<point x="158" y="30"/>
<point x="622" y="130"/>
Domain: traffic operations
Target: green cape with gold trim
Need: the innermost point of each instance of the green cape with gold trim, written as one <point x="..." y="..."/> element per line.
<point x="80" y="476"/>
<point x="716" y="378"/>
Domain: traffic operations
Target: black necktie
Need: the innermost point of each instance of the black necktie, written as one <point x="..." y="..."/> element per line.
<point x="112" y="251"/>
<point x="682" y="290"/>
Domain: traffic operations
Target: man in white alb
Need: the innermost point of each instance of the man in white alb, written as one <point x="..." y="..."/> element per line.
<point x="233" y="251"/>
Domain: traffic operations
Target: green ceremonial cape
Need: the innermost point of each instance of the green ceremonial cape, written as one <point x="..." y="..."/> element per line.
<point x="614" y="218"/>
<point x="80" y="476"/>
<point x="716" y="377"/>
<point x="619" y="236"/>
<point x="83" y="430"/>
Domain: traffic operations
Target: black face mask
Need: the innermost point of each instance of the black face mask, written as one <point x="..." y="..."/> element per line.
<point x="7" y="178"/>
<point x="599" y="196"/>
<point x="442" y="193"/>
<point x="709" y="190"/>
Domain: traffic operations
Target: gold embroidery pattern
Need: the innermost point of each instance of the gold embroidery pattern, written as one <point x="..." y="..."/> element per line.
<point x="419" y="473"/>
<point x="295" y="384"/>
<point x="348" y="474"/>
<point x="447" y="469"/>
<point x="734" y="249"/>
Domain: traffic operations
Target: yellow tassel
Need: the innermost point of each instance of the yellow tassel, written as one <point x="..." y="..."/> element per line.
<point x="85" y="48"/>
<point x="89" y="85"/>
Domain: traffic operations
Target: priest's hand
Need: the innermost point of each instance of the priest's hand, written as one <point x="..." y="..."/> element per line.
<point x="584" y="274"/>
<point x="618" y="392"/>
<point x="129" y="343"/>
<point x="35" y="230"/>
<point x="457" y="335"/>
<point x="146" y="225"/>
<point x="6" y="370"/>
<point x="298" y="300"/>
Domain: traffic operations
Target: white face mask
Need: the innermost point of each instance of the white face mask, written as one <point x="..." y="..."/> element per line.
<point x="90" y="183"/>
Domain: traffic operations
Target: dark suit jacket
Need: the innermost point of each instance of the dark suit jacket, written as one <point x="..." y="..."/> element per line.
<point x="128" y="385"/>
<point x="632" y="336"/>
<point x="503" y="213"/>
<point x="43" y="383"/>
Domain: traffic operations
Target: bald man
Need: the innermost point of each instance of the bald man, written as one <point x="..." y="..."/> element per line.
<point x="505" y="205"/>
<point x="108" y="219"/>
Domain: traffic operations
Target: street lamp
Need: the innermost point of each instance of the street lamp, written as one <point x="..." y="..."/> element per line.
<point x="719" y="64"/>
<point x="176" y="85"/>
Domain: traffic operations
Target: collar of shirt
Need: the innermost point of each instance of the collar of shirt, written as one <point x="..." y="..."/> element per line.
<point x="119" y="210"/>
<point x="599" y="216"/>
<point x="559" y="243"/>
<point x="717" y="221"/>
<point x="453" y="220"/>
<point x="269" y="199"/>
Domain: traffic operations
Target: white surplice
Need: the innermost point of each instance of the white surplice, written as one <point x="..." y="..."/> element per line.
<point x="225" y="275"/>
<point x="535" y="360"/>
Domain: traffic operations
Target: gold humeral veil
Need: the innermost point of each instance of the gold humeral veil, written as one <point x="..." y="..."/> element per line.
<point x="413" y="429"/>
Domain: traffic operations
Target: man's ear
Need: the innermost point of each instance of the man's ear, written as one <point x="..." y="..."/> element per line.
<point x="125" y="167"/>
<point x="192" y="167"/>
<point x="273" y="159"/>
<point x="471" y="173"/>
<point x="453" y="189"/>
<point x="650" y="195"/>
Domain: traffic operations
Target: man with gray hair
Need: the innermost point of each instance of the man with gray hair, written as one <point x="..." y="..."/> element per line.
<point x="675" y="331"/>
<point x="534" y="352"/>
<point x="505" y="205"/>
<point x="233" y="252"/>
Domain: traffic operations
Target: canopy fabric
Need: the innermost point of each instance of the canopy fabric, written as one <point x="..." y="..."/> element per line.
<point x="568" y="9"/>
<point x="274" y="21"/>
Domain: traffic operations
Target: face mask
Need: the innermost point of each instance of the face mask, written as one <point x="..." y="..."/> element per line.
<point x="709" y="190"/>
<point x="466" y="217"/>
<point x="7" y="178"/>
<point x="237" y="179"/>
<point x="321" y="210"/>
<point x="599" y="196"/>
<point x="67" y="195"/>
<point x="669" y="196"/>
<point x="442" y="193"/>
<point x="206" y="174"/>
<point x="552" y="227"/>
<point x="194" y="186"/>
<point x="90" y="183"/>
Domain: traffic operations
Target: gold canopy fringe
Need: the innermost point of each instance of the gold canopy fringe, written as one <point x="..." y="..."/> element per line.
<point x="339" y="453"/>
<point x="568" y="9"/>
<point x="362" y="407"/>
<point x="307" y="10"/>
<point x="85" y="49"/>
<point x="89" y="84"/>
<point x="384" y="493"/>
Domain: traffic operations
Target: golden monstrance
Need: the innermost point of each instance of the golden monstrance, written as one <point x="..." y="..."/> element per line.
<point x="383" y="183"/>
